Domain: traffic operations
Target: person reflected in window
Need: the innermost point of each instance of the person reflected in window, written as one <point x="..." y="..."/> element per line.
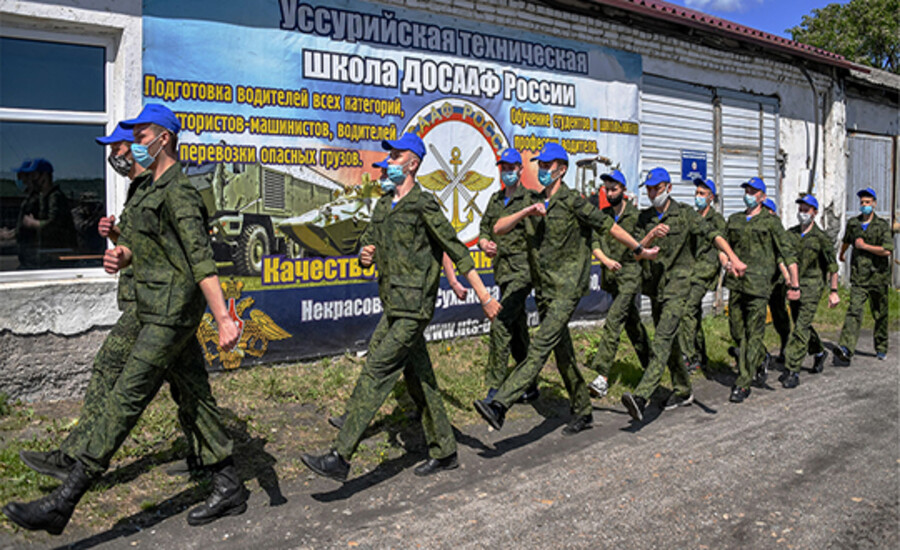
<point x="44" y="229"/>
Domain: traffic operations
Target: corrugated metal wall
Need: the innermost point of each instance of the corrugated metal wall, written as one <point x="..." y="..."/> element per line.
<point x="674" y="116"/>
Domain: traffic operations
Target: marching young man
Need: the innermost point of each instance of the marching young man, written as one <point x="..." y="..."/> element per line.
<point x="559" y="225"/>
<point x="406" y="238"/>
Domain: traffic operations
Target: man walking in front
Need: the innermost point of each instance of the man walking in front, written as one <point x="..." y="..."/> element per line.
<point x="406" y="239"/>
<point x="167" y="243"/>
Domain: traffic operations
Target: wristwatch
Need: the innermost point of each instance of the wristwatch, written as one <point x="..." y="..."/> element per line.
<point x="638" y="249"/>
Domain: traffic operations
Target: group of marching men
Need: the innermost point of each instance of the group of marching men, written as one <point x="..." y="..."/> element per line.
<point x="540" y="241"/>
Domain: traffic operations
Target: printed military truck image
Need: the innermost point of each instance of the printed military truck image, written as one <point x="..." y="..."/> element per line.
<point x="247" y="204"/>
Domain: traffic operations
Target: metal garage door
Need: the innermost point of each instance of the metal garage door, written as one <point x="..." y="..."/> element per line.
<point x="870" y="165"/>
<point x="675" y="116"/>
<point x="748" y="146"/>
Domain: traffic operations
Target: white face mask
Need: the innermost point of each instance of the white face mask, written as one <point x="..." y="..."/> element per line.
<point x="804" y="219"/>
<point x="660" y="199"/>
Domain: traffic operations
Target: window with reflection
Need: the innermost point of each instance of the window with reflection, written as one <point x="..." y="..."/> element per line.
<point x="52" y="172"/>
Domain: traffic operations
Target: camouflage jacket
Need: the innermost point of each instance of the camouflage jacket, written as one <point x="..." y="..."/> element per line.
<point x="706" y="258"/>
<point x="410" y="238"/>
<point x="125" y="295"/>
<point x="614" y="250"/>
<point x="760" y="242"/>
<point x="669" y="275"/>
<point x="559" y="243"/>
<point x="511" y="270"/>
<point x="815" y="257"/>
<point x="867" y="269"/>
<point x="166" y="231"/>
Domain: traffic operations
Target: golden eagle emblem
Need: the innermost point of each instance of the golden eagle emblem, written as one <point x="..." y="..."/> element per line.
<point x="256" y="332"/>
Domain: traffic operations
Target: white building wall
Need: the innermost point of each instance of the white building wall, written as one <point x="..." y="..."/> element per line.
<point x="90" y="303"/>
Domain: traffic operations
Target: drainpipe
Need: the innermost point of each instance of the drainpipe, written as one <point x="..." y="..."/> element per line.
<point x="812" y="169"/>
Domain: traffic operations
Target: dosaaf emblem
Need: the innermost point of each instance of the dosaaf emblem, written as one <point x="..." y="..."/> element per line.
<point x="256" y="332"/>
<point x="463" y="144"/>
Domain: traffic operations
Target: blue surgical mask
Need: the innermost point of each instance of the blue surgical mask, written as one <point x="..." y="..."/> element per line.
<point x="509" y="178"/>
<point x="700" y="202"/>
<point x="141" y="153"/>
<point x="395" y="173"/>
<point x="20" y="185"/>
<point x="866" y="210"/>
<point x="750" y="200"/>
<point x="387" y="186"/>
<point x="545" y="177"/>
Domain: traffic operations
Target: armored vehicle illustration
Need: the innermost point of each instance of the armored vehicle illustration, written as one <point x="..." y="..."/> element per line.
<point x="248" y="202"/>
<point x="334" y="228"/>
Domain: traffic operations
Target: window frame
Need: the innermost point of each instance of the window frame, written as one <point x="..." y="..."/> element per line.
<point x="106" y="117"/>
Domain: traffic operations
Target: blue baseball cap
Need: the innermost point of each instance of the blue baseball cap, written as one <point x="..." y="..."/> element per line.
<point x="154" y="113"/>
<point x="708" y="183"/>
<point x="382" y="163"/>
<point x="657" y="176"/>
<point x="755" y="183"/>
<point x="510" y="156"/>
<point x="770" y="204"/>
<point x="407" y="142"/>
<point x="867" y="192"/>
<point x="34" y="165"/>
<point x="615" y="176"/>
<point x="551" y="151"/>
<point x="810" y="200"/>
<point x="119" y="134"/>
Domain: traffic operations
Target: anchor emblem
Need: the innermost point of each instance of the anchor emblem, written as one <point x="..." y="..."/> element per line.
<point x="463" y="183"/>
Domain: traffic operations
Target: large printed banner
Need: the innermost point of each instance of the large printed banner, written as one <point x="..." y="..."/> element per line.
<point x="284" y="105"/>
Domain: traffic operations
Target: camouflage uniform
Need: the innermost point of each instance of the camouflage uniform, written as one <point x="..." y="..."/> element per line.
<point x="781" y="318"/>
<point x="870" y="279"/>
<point x="509" y="333"/>
<point x="704" y="278"/>
<point x="667" y="281"/>
<point x="759" y="242"/>
<point x="410" y="238"/>
<point x="624" y="285"/>
<point x="560" y="258"/>
<point x="815" y="262"/>
<point x="165" y="228"/>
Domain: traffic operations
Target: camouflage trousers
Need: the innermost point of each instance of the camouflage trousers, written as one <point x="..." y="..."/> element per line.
<point x="509" y="335"/>
<point x="667" y="316"/>
<point x="551" y="336"/>
<point x="747" y="322"/>
<point x="397" y="346"/>
<point x="690" y="335"/>
<point x="623" y="314"/>
<point x="804" y="339"/>
<point x="877" y="296"/>
<point x="133" y="362"/>
<point x="781" y="318"/>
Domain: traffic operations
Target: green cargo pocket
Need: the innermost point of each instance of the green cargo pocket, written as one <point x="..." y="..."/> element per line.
<point x="152" y="297"/>
<point x="407" y="292"/>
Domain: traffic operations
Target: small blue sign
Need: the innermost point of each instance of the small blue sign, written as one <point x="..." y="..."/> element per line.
<point x="693" y="165"/>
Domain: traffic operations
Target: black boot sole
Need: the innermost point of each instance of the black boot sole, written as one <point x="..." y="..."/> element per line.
<point x="24" y="524"/>
<point x="632" y="406"/>
<point x="233" y="511"/>
<point x="488" y="415"/>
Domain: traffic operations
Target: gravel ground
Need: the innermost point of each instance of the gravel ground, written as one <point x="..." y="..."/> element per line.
<point x="814" y="467"/>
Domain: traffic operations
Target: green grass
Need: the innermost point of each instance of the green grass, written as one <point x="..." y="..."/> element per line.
<point x="275" y="413"/>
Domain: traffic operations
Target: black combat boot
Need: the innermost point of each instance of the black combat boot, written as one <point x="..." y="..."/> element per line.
<point x="52" y="512"/>
<point x="51" y="463"/>
<point x="330" y="464"/>
<point x="228" y="498"/>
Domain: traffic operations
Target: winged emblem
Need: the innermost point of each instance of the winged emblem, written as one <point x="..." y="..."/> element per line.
<point x="463" y="183"/>
<point x="256" y="332"/>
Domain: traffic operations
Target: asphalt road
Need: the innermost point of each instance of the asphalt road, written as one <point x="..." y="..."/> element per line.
<point x="814" y="467"/>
